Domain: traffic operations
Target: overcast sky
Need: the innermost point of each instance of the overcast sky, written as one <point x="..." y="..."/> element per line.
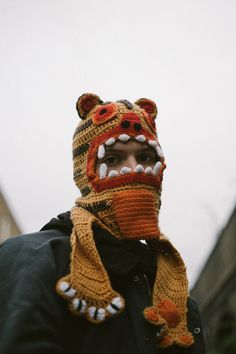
<point x="181" y="54"/>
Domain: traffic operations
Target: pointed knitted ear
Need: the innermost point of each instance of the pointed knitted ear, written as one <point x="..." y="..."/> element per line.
<point x="148" y="105"/>
<point x="86" y="102"/>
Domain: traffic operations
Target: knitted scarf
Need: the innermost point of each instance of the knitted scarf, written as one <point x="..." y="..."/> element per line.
<point x="127" y="205"/>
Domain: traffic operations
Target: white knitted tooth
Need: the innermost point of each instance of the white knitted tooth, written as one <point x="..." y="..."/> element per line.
<point x="123" y="137"/>
<point x="70" y="292"/>
<point x="63" y="286"/>
<point x="125" y="170"/>
<point x="101" y="314"/>
<point x="152" y="143"/>
<point x="91" y="311"/>
<point x="113" y="173"/>
<point x="139" y="169"/>
<point x="148" y="170"/>
<point x="159" y="152"/>
<point x="83" y="306"/>
<point x="79" y="305"/>
<point x="117" y="302"/>
<point x="157" y="168"/>
<point x="140" y="138"/>
<point x="110" y="141"/>
<point x="103" y="171"/>
<point x="111" y="310"/>
<point x="101" y="151"/>
<point x="115" y="305"/>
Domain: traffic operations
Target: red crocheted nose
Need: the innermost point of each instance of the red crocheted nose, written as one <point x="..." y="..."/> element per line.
<point x="131" y="123"/>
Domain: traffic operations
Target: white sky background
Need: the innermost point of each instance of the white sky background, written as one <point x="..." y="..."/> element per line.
<point x="181" y="54"/>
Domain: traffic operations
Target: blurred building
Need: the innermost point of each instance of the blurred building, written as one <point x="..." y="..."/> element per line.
<point x="215" y="291"/>
<point x="8" y="225"/>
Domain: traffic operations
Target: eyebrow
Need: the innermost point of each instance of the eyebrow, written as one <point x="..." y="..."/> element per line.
<point x="113" y="148"/>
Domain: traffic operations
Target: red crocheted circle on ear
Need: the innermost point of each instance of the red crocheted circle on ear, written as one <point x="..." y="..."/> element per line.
<point x="104" y="113"/>
<point x="148" y="106"/>
<point x="86" y="103"/>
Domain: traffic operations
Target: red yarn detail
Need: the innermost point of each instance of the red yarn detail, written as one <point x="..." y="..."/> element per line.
<point x="131" y="116"/>
<point x="166" y="341"/>
<point x="148" y="106"/>
<point x="151" y="314"/>
<point x="150" y="121"/>
<point x="88" y="102"/>
<point x="104" y="113"/>
<point x="185" y="340"/>
<point x="169" y="311"/>
<point x="85" y="103"/>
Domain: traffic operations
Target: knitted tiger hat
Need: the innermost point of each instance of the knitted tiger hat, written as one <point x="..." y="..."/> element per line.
<point x="126" y="203"/>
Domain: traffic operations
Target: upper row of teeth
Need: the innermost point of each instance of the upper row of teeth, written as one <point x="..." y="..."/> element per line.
<point x="126" y="137"/>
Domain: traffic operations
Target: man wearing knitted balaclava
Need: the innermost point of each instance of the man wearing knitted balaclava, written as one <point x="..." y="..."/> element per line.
<point x="122" y="198"/>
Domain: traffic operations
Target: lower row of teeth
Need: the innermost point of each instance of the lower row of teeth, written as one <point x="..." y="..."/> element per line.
<point x="125" y="170"/>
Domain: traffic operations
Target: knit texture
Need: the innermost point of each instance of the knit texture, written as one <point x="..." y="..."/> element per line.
<point x="127" y="205"/>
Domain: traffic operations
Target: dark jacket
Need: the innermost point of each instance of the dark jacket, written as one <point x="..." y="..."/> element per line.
<point x="35" y="320"/>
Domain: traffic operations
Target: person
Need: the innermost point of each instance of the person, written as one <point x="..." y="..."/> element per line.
<point x="102" y="278"/>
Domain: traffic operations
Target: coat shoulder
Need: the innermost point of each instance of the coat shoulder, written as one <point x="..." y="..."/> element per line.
<point x="48" y="248"/>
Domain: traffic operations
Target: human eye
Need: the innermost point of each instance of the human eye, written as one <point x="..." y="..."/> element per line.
<point x="147" y="157"/>
<point x="111" y="160"/>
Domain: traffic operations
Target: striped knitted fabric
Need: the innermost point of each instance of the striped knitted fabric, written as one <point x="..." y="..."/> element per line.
<point x="127" y="205"/>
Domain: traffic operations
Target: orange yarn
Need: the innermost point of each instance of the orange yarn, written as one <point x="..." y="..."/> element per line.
<point x="185" y="340"/>
<point x="166" y="341"/>
<point x="169" y="311"/>
<point x="135" y="214"/>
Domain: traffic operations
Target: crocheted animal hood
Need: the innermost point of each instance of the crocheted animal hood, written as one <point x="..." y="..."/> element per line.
<point x="125" y="203"/>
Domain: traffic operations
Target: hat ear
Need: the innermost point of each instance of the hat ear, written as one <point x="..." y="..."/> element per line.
<point x="86" y="102"/>
<point x="149" y="106"/>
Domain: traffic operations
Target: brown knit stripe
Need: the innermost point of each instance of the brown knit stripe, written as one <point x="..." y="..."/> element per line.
<point x="85" y="191"/>
<point x="77" y="173"/>
<point x="97" y="207"/>
<point x="80" y="150"/>
<point x="83" y="126"/>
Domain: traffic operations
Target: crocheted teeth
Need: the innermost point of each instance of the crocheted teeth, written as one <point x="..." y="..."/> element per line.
<point x="125" y="170"/>
<point x="96" y="314"/>
<point x="101" y="151"/>
<point x="110" y="141"/>
<point x="157" y="168"/>
<point x="139" y="169"/>
<point x="124" y="137"/>
<point x="103" y="171"/>
<point x="79" y="305"/>
<point x="140" y="138"/>
<point x="113" y="173"/>
<point x="66" y="289"/>
<point x="148" y="170"/>
<point x="159" y="152"/>
<point x="155" y="145"/>
<point x="152" y="143"/>
<point x="115" y="306"/>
